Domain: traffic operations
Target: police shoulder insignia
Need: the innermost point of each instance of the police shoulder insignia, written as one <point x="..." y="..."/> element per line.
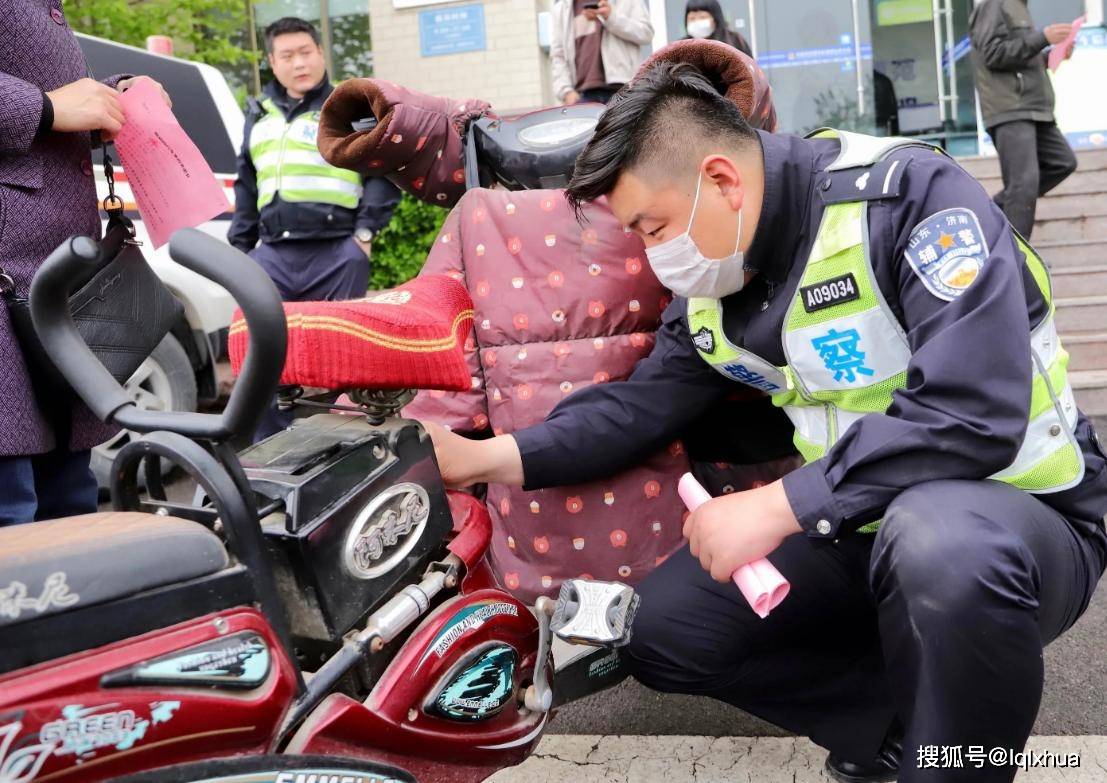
<point x="704" y="340"/>
<point x="947" y="252"/>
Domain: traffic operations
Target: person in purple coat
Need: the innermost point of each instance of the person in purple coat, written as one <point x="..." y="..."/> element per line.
<point x="48" y="107"/>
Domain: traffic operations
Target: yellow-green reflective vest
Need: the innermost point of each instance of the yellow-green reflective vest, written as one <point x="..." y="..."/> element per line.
<point x="287" y="161"/>
<point x="870" y="350"/>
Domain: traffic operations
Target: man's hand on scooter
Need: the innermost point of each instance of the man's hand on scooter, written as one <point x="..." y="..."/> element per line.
<point x="731" y="530"/>
<point x="464" y="462"/>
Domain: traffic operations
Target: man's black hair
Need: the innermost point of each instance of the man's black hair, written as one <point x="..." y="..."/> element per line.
<point x="290" y="24"/>
<point x="667" y="118"/>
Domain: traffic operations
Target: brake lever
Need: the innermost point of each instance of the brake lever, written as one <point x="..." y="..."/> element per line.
<point x="539" y="696"/>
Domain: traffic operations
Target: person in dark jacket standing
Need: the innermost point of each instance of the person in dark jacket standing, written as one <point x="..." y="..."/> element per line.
<point x="315" y="222"/>
<point x="1016" y="101"/>
<point x="48" y="106"/>
<point x="704" y="19"/>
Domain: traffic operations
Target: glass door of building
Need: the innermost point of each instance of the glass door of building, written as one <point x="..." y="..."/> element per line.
<point x="922" y="65"/>
<point x="818" y="57"/>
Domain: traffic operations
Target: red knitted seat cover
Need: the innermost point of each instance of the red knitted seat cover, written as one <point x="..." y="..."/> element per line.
<point x="410" y="337"/>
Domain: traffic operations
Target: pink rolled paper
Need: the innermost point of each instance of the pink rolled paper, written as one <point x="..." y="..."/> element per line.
<point x="759" y="582"/>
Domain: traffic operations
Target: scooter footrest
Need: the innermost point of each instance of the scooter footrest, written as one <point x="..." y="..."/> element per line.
<point x="594" y="613"/>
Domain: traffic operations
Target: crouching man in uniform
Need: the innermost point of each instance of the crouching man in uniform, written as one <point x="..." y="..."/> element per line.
<point x="948" y="522"/>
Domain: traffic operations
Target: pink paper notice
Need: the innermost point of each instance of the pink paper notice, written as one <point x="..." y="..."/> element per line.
<point x="173" y="185"/>
<point x="1061" y="51"/>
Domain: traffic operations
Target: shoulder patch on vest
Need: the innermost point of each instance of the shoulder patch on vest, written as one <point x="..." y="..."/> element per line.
<point x="704" y="340"/>
<point x="835" y="291"/>
<point x="865" y="183"/>
<point x="947" y="252"/>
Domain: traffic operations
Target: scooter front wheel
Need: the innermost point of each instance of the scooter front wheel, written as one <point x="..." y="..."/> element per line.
<point x="272" y="769"/>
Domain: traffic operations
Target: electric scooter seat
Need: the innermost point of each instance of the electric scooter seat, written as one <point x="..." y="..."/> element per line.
<point x="64" y="564"/>
<point x="409" y="337"/>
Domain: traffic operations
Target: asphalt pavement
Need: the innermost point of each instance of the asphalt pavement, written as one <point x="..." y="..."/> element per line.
<point x="583" y="758"/>
<point x="1074" y="701"/>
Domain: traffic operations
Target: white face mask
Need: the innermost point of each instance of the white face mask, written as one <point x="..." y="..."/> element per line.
<point x="701" y="28"/>
<point x="683" y="269"/>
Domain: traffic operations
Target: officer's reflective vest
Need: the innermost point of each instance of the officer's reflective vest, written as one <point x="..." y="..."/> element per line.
<point x="844" y="361"/>
<point x="287" y="160"/>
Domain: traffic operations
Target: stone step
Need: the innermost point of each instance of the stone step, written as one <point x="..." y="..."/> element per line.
<point x="1081" y="314"/>
<point x="1071" y="206"/>
<point x="1079" y="183"/>
<point x="988" y="166"/>
<point x="1091" y="391"/>
<point x="1086" y="227"/>
<point x="1063" y="254"/>
<point x="1087" y="350"/>
<point x="1079" y="281"/>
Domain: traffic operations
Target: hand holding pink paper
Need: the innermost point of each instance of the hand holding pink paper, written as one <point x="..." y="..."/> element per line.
<point x="759" y="582"/>
<point x="1063" y="50"/>
<point x="172" y="183"/>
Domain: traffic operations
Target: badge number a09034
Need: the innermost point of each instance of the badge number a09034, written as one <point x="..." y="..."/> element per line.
<point x="828" y="293"/>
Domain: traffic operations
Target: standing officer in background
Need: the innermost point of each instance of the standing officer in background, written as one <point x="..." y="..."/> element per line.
<point x="1016" y="101"/>
<point x="316" y="222"/>
<point x="948" y="521"/>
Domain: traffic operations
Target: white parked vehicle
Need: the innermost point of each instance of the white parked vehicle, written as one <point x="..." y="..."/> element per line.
<point x="181" y="373"/>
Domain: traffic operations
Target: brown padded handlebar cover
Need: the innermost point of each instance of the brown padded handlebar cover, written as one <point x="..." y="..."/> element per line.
<point x="417" y="142"/>
<point x="734" y="74"/>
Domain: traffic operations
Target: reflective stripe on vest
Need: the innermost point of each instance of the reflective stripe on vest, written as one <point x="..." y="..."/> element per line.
<point x="845" y="361"/>
<point x="287" y="161"/>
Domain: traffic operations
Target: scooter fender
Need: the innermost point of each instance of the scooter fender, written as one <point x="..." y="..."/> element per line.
<point x="449" y="706"/>
<point x="214" y="686"/>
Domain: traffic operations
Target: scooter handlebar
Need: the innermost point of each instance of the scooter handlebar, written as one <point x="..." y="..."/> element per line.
<point x="205" y="255"/>
<point x="49" y="303"/>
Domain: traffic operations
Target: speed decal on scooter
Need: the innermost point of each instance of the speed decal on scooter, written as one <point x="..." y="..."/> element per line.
<point x="241" y="660"/>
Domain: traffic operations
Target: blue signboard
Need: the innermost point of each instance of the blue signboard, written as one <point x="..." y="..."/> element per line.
<point x="451" y="30"/>
<point x="823" y="56"/>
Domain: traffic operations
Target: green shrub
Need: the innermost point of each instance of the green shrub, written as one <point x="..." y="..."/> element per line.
<point x="401" y="248"/>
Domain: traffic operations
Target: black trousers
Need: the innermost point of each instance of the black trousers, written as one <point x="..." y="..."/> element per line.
<point x="939" y="618"/>
<point x="310" y="271"/>
<point x="1034" y="158"/>
<point x="599" y="94"/>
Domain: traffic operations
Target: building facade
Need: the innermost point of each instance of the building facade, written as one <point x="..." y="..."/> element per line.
<point x="487" y="49"/>
<point x="882" y="66"/>
<point x="876" y="66"/>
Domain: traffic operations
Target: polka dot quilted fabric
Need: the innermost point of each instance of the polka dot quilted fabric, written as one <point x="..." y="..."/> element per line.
<point x="557" y="306"/>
